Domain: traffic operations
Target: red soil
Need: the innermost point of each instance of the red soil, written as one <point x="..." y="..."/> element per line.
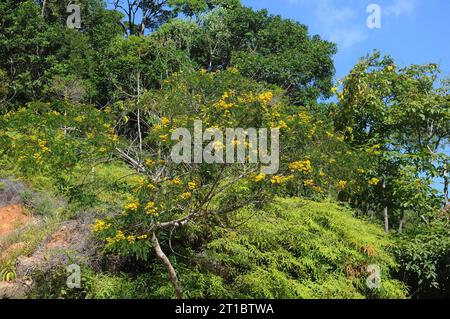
<point x="11" y="217"/>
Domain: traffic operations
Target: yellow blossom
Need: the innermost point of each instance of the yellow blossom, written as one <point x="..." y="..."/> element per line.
<point x="278" y="180"/>
<point x="134" y="206"/>
<point x="80" y="118"/>
<point x="176" y="182"/>
<point x="233" y="70"/>
<point x="38" y="158"/>
<point x="165" y="121"/>
<point x="260" y="177"/>
<point x="265" y="97"/>
<point x="192" y="185"/>
<point x="149" y="162"/>
<point x="43" y="146"/>
<point x="342" y="185"/>
<point x="282" y="125"/>
<point x="186" y="196"/>
<point x="164" y="138"/>
<point x="309" y="183"/>
<point x="100" y="225"/>
<point x="150" y="209"/>
<point x="301" y="166"/>
<point x="374" y="181"/>
<point x="304" y="117"/>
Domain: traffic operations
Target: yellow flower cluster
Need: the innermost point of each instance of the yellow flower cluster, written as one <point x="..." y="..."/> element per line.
<point x="260" y="177"/>
<point x="223" y="104"/>
<point x="118" y="238"/>
<point x="301" y="166"/>
<point x="282" y="125"/>
<point x="132" y="207"/>
<point x="114" y="137"/>
<point x="43" y="146"/>
<point x="342" y="185"/>
<point x="375" y="150"/>
<point x="100" y="225"/>
<point x="265" y="97"/>
<point x="150" y="209"/>
<point x="309" y="183"/>
<point x="233" y="70"/>
<point x="192" y="185"/>
<point x="38" y="158"/>
<point x="176" y="182"/>
<point x="278" y="180"/>
<point x="304" y="117"/>
<point x="80" y="118"/>
<point x="165" y="121"/>
<point x="149" y="162"/>
<point x="374" y="181"/>
<point x="186" y="196"/>
<point x="164" y="138"/>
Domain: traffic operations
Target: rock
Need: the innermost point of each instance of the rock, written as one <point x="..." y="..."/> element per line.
<point x="11" y="192"/>
<point x="13" y="290"/>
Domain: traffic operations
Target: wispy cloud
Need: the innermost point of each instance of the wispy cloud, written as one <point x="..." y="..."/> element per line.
<point x="340" y="23"/>
<point x="401" y="7"/>
<point x="344" y="21"/>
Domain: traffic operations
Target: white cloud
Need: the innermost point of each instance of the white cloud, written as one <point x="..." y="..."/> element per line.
<point x="344" y="22"/>
<point x="340" y="23"/>
<point x="401" y="7"/>
<point x="347" y="38"/>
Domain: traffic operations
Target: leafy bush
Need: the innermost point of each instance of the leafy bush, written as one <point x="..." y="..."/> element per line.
<point x="303" y="249"/>
<point x="425" y="260"/>
<point x="51" y="139"/>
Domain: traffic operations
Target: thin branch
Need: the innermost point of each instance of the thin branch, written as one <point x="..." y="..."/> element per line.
<point x="172" y="273"/>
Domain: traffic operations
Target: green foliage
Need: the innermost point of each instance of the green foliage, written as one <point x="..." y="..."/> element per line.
<point x="52" y="139"/>
<point x="425" y="260"/>
<point x="8" y="273"/>
<point x="271" y="49"/>
<point x="313" y="159"/>
<point x="401" y="117"/>
<point x="302" y="249"/>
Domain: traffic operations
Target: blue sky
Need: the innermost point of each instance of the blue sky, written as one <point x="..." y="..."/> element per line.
<point x="412" y="31"/>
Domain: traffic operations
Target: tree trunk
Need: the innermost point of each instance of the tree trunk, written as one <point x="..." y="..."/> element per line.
<point x="44" y="5"/>
<point x="402" y="222"/>
<point x="172" y="274"/>
<point x="386" y="220"/>
<point x="446" y="186"/>
<point x="139" y="111"/>
<point x="385" y="212"/>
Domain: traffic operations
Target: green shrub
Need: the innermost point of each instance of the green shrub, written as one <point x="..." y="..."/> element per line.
<point x="303" y="249"/>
